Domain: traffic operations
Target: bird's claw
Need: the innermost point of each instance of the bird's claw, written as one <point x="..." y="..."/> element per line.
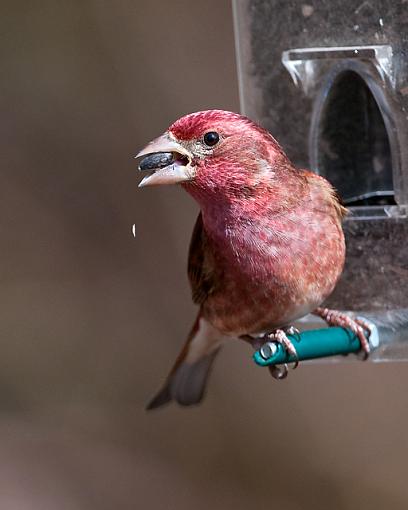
<point x="291" y="330"/>
<point x="357" y="325"/>
<point x="280" y="336"/>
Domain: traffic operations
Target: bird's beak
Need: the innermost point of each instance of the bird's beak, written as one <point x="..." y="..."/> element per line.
<point x="167" y="162"/>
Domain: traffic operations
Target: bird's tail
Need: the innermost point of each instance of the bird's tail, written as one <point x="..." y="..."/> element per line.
<point x="188" y="378"/>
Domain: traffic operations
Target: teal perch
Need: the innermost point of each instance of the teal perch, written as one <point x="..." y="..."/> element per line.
<point x="311" y="344"/>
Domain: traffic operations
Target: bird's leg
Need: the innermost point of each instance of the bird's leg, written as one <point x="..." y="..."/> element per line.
<point x="357" y="325"/>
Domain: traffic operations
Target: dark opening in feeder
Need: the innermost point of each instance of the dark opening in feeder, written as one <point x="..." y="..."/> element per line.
<point x="353" y="149"/>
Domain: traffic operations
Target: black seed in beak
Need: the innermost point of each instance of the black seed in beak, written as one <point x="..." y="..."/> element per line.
<point x="156" y="160"/>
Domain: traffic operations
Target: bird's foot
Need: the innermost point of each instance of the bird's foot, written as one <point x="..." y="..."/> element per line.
<point x="280" y="336"/>
<point x="358" y="326"/>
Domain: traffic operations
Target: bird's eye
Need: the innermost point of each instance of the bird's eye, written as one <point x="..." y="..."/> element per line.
<point x="211" y="138"/>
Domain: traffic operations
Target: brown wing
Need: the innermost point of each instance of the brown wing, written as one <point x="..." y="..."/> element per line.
<point x="328" y="192"/>
<point x="200" y="264"/>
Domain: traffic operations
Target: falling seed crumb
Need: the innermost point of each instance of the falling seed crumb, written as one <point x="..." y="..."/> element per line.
<point x="356" y="27"/>
<point x="134" y="229"/>
<point x="381" y="22"/>
<point x="307" y="10"/>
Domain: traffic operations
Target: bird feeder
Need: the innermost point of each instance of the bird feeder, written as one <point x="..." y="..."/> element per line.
<point x="330" y="81"/>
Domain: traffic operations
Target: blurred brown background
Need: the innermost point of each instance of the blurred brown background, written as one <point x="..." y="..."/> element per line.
<point x="91" y="318"/>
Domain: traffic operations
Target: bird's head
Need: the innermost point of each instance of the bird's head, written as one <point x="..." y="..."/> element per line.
<point x="214" y="154"/>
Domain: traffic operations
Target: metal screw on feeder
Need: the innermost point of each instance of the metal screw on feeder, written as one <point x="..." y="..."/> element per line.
<point x="268" y="350"/>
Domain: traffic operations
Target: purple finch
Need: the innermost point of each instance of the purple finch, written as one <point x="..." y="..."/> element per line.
<point x="267" y="247"/>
